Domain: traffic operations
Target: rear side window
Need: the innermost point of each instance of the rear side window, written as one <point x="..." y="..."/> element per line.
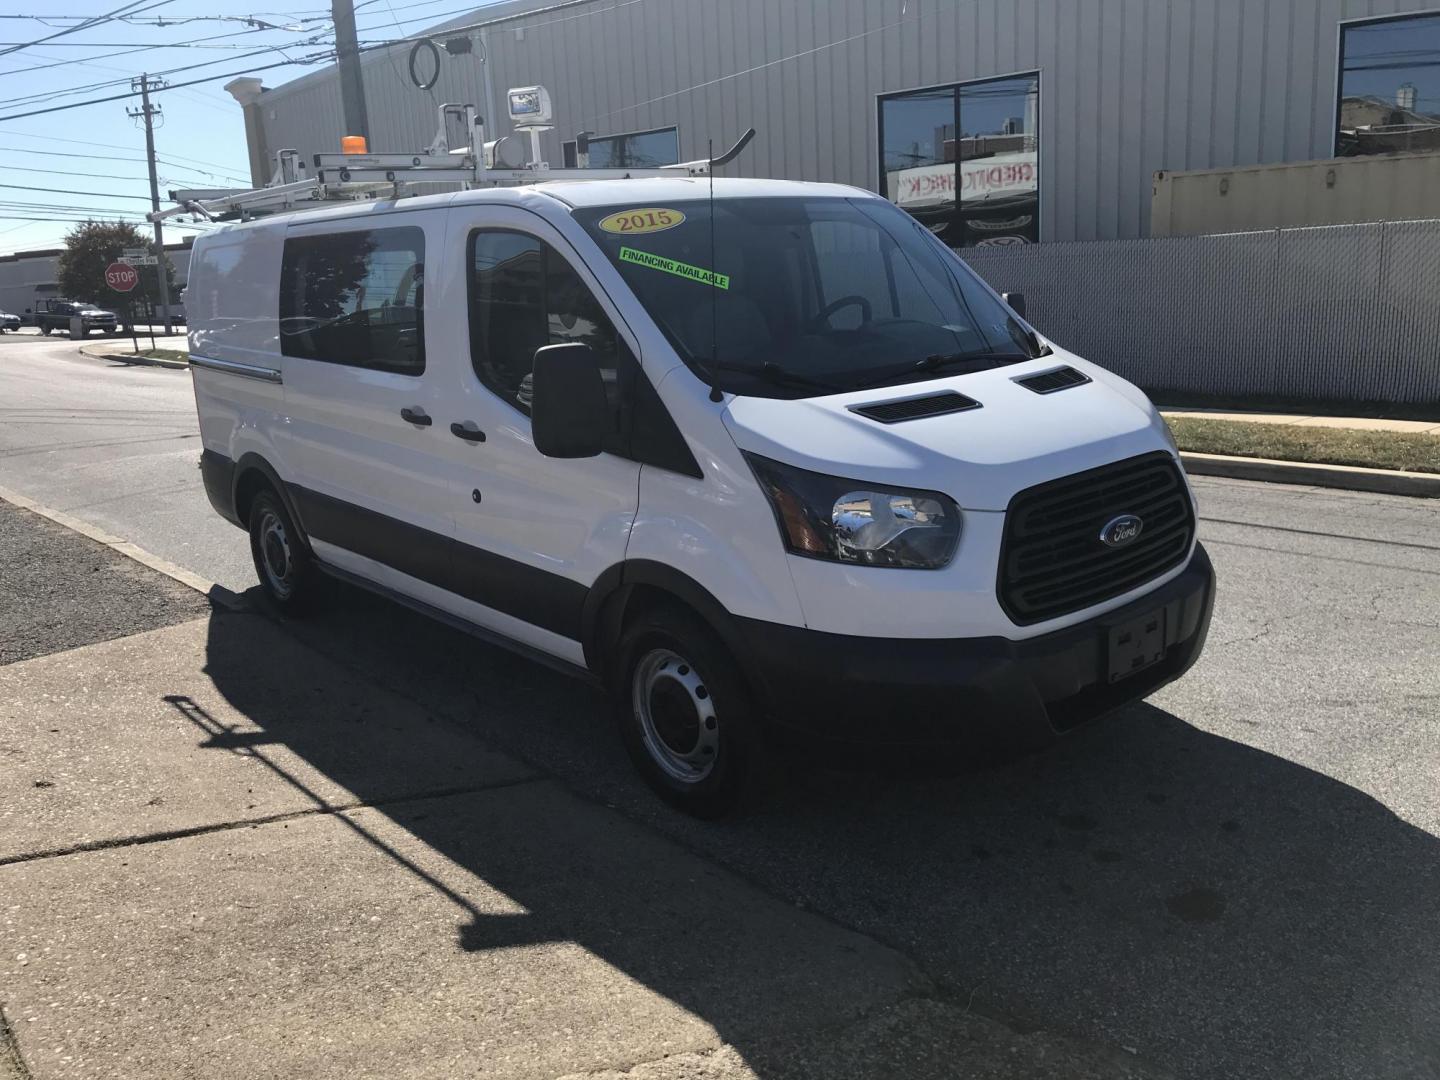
<point x="524" y="295"/>
<point x="355" y="298"/>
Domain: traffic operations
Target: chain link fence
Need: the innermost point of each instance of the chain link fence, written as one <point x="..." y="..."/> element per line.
<point x="1340" y="313"/>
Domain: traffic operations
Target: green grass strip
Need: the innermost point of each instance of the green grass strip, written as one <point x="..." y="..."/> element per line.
<point x="1412" y="452"/>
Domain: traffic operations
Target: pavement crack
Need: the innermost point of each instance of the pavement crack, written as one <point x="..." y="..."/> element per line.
<point x="327" y="810"/>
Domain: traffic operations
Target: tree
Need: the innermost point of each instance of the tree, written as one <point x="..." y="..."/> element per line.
<point x="90" y="247"/>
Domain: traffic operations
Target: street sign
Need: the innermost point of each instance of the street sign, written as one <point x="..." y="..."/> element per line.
<point x="121" y="277"/>
<point x="133" y="253"/>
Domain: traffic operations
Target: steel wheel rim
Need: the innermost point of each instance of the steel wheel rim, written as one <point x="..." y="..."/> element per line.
<point x="678" y="724"/>
<point x="275" y="555"/>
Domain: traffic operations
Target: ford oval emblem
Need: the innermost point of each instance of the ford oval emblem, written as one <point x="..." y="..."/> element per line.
<point x="1121" y="530"/>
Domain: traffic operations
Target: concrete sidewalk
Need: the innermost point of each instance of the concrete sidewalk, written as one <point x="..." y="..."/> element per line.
<point x="1353" y="423"/>
<point x="222" y="855"/>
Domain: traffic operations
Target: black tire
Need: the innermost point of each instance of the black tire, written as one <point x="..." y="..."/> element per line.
<point x="693" y="683"/>
<point x="283" y="564"/>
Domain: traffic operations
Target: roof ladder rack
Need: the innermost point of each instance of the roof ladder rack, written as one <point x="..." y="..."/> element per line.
<point x="341" y="177"/>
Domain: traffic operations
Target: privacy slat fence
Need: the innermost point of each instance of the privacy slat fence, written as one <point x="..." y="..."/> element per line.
<point x="1345" y="312"/>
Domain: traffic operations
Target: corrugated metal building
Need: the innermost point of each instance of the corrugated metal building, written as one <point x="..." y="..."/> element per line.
<point x="1091" y="97"/>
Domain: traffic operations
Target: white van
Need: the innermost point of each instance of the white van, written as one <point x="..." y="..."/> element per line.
<point x="770" y="462"/>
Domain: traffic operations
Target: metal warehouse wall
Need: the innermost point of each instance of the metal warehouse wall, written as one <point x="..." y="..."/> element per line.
<point x="1343" y="312"/>
<point x="1128" y="87"/>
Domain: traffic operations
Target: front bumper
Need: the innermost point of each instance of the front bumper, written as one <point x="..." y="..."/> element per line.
<point x="985" y="693"/>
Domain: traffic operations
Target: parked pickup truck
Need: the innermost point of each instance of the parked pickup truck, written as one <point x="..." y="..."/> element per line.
<point x="56" y="315"/>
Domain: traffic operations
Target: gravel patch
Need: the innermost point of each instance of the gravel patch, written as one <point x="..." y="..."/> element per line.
<point x="60" y="590"/>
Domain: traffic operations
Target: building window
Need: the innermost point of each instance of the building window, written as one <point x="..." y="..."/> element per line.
<point x="355" y="298"/>
<point x="630" y="150"/>
<point x="965" y="159"/>
<point x="1389" y="86"/>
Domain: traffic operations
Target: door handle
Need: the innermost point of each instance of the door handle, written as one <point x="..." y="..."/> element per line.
<point x="469" y="431"/>
<point x="416" y="415"/>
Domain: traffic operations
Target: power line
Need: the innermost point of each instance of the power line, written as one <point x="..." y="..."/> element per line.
<point x="318" y="58"/>
<point x="95" y="21"/>
<point x="26" y="99"/>
<point x="68" y="172"/>
<point x="69" y="191"/>
<point x="193" y="43"/>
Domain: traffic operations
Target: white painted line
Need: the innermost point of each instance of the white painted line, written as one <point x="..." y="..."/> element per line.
<point x="118" y="544"/>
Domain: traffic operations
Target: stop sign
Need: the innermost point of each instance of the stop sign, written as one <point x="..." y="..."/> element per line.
<point x="122" y="277"/>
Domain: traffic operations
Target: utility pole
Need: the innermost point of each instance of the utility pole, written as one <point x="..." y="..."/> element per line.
<point x="352" y="79"/>
<point x="147" y="112"/>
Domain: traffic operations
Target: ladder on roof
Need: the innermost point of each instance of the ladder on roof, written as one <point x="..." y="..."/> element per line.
<point x="365" y="176"/>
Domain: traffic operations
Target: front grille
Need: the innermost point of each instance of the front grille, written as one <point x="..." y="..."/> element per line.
<point x="1052" y="561"/>
<point x="893" y="412"/>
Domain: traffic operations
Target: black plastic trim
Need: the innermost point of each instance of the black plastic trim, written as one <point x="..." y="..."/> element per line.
<point x="544" y="599"/>
<point x="440" y="615"/>
<point x="901" y="410"/>
<point x="1045" y="382"/>
<point x="986" y="692"/>
<point x="218" y="473"/>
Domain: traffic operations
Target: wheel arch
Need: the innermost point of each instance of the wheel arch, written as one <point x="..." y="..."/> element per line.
<point x="253" y="473"/>
<point x="627" y="588"/>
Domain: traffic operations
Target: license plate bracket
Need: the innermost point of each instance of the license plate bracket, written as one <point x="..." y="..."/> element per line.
<point x="1136" y="644"/>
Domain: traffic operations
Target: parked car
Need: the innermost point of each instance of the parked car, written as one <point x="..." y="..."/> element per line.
<point x="775" y="468"/>
<point x="55" y="315"/>
<point x="8" y="321"/>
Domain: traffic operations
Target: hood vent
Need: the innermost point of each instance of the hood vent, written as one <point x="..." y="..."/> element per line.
<point x="1048" y="382"/>
<point x="895" y="412"/>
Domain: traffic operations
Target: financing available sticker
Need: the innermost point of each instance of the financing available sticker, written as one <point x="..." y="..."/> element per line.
<point x="671" y="266"/>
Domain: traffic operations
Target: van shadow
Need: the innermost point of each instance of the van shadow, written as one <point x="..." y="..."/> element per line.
<point x="1220" y="909"/>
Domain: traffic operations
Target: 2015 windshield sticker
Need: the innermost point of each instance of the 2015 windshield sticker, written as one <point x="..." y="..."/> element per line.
<point x="647" y="219"/>
<point x="671" y="266"/>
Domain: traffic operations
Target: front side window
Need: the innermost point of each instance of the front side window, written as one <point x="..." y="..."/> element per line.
<point x="355" y="298"/>
<point x="795" y="297"/>
<point x="1389" y="86"/>
<point x="524" y="295"/>
<point x="965" y="159"/>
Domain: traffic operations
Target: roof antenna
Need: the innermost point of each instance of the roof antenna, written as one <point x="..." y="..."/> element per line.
<point x="715" y="394"/>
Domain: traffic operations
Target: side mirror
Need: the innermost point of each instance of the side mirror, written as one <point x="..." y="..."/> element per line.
<point x="569" y="412"/>
<point x="1016" y="300"/>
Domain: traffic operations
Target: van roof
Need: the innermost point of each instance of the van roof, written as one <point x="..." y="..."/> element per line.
<point x="577" y="193"/>
<point x="573" y="194"/>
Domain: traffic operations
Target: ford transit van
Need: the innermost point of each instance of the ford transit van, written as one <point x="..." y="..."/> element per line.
<point x="765" y="459"/>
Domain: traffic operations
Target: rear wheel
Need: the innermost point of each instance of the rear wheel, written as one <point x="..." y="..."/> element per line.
<point x="282" y="562"/>
<point x="686" y="715"/>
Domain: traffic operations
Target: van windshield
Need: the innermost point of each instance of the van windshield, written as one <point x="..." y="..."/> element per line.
<point x="798" y="297"/>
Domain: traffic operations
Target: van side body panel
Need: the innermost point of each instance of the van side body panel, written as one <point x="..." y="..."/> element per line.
<point x="236" y="365"/>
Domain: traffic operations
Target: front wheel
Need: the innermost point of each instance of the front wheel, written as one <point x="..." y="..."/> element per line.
<point x="282" y="562"/>
<point x="686" y="715"/>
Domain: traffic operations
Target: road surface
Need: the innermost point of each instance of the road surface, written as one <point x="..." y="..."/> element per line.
<point x="1238" y="877"/>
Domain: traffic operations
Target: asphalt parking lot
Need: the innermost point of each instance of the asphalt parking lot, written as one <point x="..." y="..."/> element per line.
<point x="1235" y="878"/>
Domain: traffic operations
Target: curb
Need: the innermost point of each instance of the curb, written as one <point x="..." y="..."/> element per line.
<point x="94" y="353"/>
<point x="1348" y="477"/>
<point x="217" y="593"/>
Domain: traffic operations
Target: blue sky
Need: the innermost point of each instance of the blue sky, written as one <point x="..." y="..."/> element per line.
<point x="63" y="166"/>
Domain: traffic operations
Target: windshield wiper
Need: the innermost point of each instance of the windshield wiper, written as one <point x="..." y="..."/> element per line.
<point x="772" y="372"/>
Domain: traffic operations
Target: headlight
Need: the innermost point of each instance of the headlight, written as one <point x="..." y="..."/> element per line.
<point x="850" y="521"/>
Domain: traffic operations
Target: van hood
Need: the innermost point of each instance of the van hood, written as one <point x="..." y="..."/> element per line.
<point x="980" y="457"/>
